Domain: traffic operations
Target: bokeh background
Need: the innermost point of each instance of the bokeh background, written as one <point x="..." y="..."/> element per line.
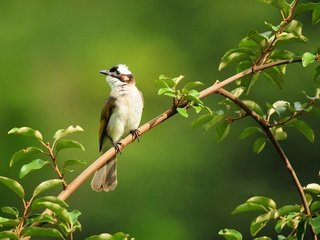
<point x="177" y="183"/>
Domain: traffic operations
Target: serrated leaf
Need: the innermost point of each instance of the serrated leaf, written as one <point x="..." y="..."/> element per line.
<point x="249" y="131"/>
<point x="8" y="235"/>
<point x="41" y="232"/>
<point x="259" y="145"/>
<point x="32" y="166"/>
<point x="61" y="133"/>
<point x="13" y="185"/>
<point x="51" y="199"/>
<point x="249" y="207"/>
<point x="10" y="210"/>
<point x="230" y="234"/>
<point x="236" y="56"/>
<point x="46" y="185"/>
<point x="24" y="154"/>
<point x="27" y="132"/>
<point x="183" y="112"/>
<point x="303" y="127"/>
<point x="308" y="58"/>
<point x="222" y="130"/>
<point x="64" y="143"/>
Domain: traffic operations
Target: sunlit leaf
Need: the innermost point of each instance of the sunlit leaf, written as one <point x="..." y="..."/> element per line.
<point x="263" y="238"/>
<point x="281" y="55"/>
<point x="73" y="162"/>
<point x="42" y="218"/>
<point x="259" y="145"/>
<point x="7" y="222"/>
<point x="285" y="210"/>
<point x="65" y="132"/>
<point x="32" y="166"/>
<point x="230" y="234"/>
<point x="41" y="232"/>
<point x="64" y="143"/>
<point x="27" y="132"/>
<point x="279" y="4"/>
<point x="316" y="15"/>
<point x="254" y="106"/>
<point x="256" y="227"/>
<point x="166" y="90"/>
<point x="249" y="207"/>
<point x="308" y="58"/>
<point x="313" y="187"/>
<point x="191" y="85"/>
<point x="107" y="236"/>
<point x="46" y="185"/>
<point x="268" y="203"/>
<point x="13" y="185"/>
<point x="24" y="154"/>
<point x="51" y="199"/>
<point x="61" y="212"/>
<point x="183" y="112"/>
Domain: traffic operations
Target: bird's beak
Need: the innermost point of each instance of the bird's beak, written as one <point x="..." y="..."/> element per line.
<point x="105" y="72"/>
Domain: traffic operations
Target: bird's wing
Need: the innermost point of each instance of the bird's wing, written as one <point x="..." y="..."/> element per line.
<point x="104" y="119"/>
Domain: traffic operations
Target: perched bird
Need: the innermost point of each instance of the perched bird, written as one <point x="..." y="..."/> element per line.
<point x="120" y="116"/>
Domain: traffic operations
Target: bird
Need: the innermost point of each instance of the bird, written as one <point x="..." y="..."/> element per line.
<point x="120" y="116"/>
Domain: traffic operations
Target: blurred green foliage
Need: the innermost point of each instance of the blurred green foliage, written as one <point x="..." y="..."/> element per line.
<point x="177" y="183"/>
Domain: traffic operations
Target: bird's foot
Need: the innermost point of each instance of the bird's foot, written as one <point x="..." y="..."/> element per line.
<point x="135" y="134"/>
<point x="117" y="146"/>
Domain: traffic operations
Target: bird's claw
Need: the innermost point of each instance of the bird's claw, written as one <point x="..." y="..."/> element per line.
<point x="135" y="134"/>
<point x="117" y="146"/>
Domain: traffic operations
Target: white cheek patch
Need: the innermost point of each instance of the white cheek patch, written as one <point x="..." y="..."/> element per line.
<point x="123" y="69"/>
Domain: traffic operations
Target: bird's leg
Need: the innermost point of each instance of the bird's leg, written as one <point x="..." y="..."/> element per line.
<point x="135" y="134"/>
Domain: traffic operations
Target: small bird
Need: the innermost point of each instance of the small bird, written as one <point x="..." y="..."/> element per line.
<point x="120" y="116"/>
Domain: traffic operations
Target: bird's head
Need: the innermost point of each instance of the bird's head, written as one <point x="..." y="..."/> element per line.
<point x="118" y="75"/>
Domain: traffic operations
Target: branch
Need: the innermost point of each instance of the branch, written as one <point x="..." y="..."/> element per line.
<point x="76" y="183"/>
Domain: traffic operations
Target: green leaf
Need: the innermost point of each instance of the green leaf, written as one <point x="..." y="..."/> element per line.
<point x="253" y="40"/>
<point x="7" y="222"/>
<point x="8" y="235"/>
<point x="247" y="81"/>
<point x="268" y="203"/>
<point x="275" y="76"/>
<point x="249" y="131"/>
<point x="24" y="154"/>
<point x="256" y="227"/>
<point x="27" y="132"/>
<point x="61" y="212"/>
<point x="46" y="185"/>
<point x="279" y="4"/>
<point x="316" y="15"/>
<point x="13" y="185"/>
<point x="285" y="210"/>
<point x="61" y="133"/>
<point x="73" y="162"/>
<point x="168" y="82"/>
<point x="203" y="119"/>
<point x="279" y="133"/>
<point x="191" y="85"/>
<point x="259" y="145"/>
<point x="32" y="166"/>
<point x="281" y="55"/>
<point x="303" y="127"/>
<point x="73" y="216"/>
<point x="42" y="218"/>
<point x="280" y="106"/>
<point x="64" y="143"/>
<point x="315" y="223"/>
<point x="167" y="90"/>
<point x="230" y="234"/>
<point x="183" y="112"/>
<point x="313" y="187"/>
<point x="263" y="238"/>
<point x="236" y="56"/>
<point x="301" y="229"/>
<point x="222" y="130"/>
<point x="107" y="236"/>
<point x="10" y="210"/>
<point x="249" y="207"/>
<point x="51" y="199"/>
<point x="254" y="106"/>
<point x="41" y="232"/>
<point x="286" y="38"/>
<point x="303" y="7"/>
<point x="315" y="207"/>
<point x="217" y="118"/>
<point x="316" y="75"/>
<point x="308" y="58"/>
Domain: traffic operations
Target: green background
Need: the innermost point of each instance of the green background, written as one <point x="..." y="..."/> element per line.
<point x="177" y="183"/>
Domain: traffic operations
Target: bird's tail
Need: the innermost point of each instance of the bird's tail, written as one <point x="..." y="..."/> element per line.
<point x="105" y="179"/>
